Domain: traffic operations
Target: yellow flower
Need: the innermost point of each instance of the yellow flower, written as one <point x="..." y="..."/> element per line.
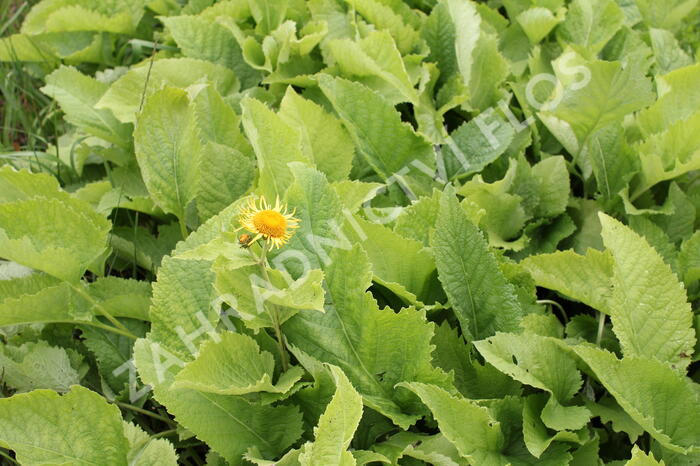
<point x="266" y="221"/>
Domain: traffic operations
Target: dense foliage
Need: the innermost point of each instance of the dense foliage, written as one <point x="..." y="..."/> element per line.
<point x="497" y="258"/>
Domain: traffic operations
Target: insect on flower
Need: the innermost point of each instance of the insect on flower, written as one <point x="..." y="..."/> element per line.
<point x="266" y="221"/>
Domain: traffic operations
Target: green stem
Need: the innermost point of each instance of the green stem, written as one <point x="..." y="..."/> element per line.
<point x="272" y="310"/>
<point x="183" y="228"/>
<point x="109" y="328"/>
<point x="165" y="433"/>
<point x="601" y="328"/>
<point x="144" y="412"/>
<point x="557" y="305"/>
<point x="81" y="291"/>
<point x="8" y="457"/>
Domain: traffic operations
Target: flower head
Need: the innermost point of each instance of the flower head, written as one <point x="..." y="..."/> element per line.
<point x="272" y="223"/>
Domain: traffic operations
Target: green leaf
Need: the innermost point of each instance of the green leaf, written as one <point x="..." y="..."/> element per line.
<point x="669" y="55"/>
<point x="382" y="16"/>
<point x="435" y="449"/>
<point x="537" y="438"/>
<point x="113" y="352"/>
<point x="251" y="371"/>
<point x="678" y="100"/>
<point x="666" y="16"/>
<point x="336" y="426"/>
<point x="689" y="259"/>
<point x="199" y="37"/>
<point x="77" y="94"/>
<point x="62" y="239"/>
<point x="599" y="96"/>
<point x="663" y="402"/>
<point x="371" y="345"/>
<point x="37" y="365"/>
<point x="375" y="57"/>
<point x="541" y="363"/>
<point x="148" y="451"/>
<point x="538" y="22"/>
<point x="639" y="458"/>
<point x="400" y="264"/>
<point x="469" y="149"/>
<point x="609" y="411"/>
<point x="275" y="143"/>
<point x="183" y="298"/>
<point x="168" y="150"/>
<point x="669" y="154"/>
<point x="473" y="380"/>
<point x="643" y="285"/>
<point x="52" y="304"/>
<point x="583" y="278"/>
<point x="590" y="24"/>
<point x="324" y="141"/>
<point x="78" y="428"/>
<point x="612" y="160"/>
<point x="183" y="143"/>
<point x="478" y="60"/>
<point x="388" y="145"/>
<point x="125" y="95"/>
<point x="468" y="426"/>
<point x="481" y="297"/>
<point x="251" y="294"/>
<point x="230" y="425"/>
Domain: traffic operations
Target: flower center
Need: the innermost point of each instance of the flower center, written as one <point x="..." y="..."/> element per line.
<point x="270" y="223"/>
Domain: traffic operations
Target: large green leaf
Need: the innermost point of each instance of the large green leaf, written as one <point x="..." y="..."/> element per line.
<point x="126" y="94"/>
<point x="275" y="143"/>
<point x="78" y="94"/>
<point x="52" y="236"/>
<point x="468" y="426"/>
<point x="375" y="57"/>
<point x="390" y="146"/>
<point x="202" y="38"/>
<point x="336" y="426"/>
<point x="601" y="94"/>
<point x="376" y="348"/>
<point x="229" y="424"/>
<point x="148" y="451"/>
<point x="251" y="371"/>
<point x="78" y="428"/>
<point x="659" y="399"/>
<point x="649" y="308"/>
<point x="323" y="139"/>
<point x="591" y="24"/>
<point x="169" y="150"/>
<point x="584" y="278"/>
<point x="183" y="303"/>
<point x="483" y="300"/>
<point x="37" y="365"/>
<point x="541" y="363"/>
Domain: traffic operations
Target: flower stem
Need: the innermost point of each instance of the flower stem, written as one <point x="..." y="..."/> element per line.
<point x="85" y="295"/>
<point x="273" y="311"/>
<point x="601" y="328"/>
